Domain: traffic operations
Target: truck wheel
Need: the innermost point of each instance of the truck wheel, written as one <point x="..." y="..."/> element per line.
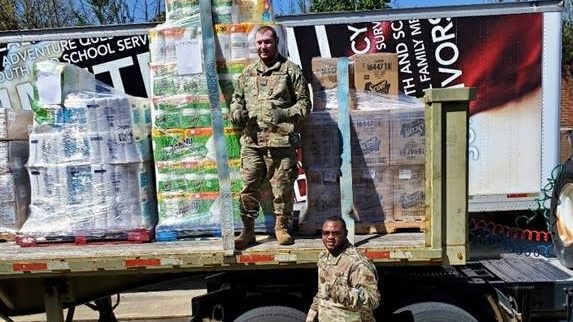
<point x="432" y="312"/>
<point x="272" y="314"/>
<point x="561" y="215"/>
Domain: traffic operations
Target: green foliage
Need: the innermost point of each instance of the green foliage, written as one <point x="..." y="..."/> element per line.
<point x="347" y="5"/>
<point x="567" y="34"/>
<point x="7" y="15"/>
<point x="567" y="43"/>
<point x="38" y="14"/>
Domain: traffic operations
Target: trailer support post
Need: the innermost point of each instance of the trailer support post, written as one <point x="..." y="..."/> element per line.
<point x="446" y="115"/>
<point x="346" y="195"/>
<point x="53" y="305"/>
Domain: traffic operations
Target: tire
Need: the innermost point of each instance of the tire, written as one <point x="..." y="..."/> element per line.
<point x="432" y="312"/>
<point x="561" y="215"/>
<point x="272" y="314"/>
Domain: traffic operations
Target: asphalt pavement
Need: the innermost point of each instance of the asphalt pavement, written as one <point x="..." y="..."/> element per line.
<point x="168" y="306"/>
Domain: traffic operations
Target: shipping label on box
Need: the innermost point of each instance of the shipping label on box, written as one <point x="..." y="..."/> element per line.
<point x="407" y="136"/>
<point x="376" y="73"/>
<point x="409" y="192"/>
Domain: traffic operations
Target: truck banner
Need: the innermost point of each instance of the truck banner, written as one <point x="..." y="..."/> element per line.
<point x="121" y="62"/>
<point x="500" y="55"/>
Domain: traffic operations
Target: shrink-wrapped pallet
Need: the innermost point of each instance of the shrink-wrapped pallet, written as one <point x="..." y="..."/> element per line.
<point x="387" y="161"/>
<point x="183" y="140"/>
<point x="89" y="168"/>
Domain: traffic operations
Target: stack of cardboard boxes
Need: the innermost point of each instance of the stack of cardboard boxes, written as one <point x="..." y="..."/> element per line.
<point x="387" y="148"/>
<point x="14" y="183"/>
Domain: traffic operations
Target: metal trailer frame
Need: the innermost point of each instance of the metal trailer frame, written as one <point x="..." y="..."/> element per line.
<point x="551" y="71"/>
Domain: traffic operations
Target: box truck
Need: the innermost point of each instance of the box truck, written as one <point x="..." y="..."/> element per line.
<point x="489" y="78"/>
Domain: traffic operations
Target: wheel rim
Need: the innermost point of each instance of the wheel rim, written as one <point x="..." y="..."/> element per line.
<point x="564" y="215"/>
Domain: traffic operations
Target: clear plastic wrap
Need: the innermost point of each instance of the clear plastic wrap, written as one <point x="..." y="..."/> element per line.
<point x="373" y="82"/>
<point x="13" y="156"/>
<point x="89" y="166"/>
<point x="193" y="144"/>
<point x="179" y="9"/>
<point x="90" y="200"/>
<point x="252" y="11"/>
<point x="224" y="11"/>
<point x="55" y="81"/>
<point x="185" y="111"/>
<point x="388" y="156"/>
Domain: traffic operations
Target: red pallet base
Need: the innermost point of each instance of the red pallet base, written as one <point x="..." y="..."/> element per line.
<point x="135" y="236"/>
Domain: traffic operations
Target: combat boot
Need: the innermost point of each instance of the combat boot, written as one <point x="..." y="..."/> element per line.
<point x="247" y="236"/>
<point x="281" y="231"/>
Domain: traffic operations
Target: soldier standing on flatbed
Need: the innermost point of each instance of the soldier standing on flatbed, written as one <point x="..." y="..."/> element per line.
<point x="270" y="98"/>
<point x="347" y="280"/>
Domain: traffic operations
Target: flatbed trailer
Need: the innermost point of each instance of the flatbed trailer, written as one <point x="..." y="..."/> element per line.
<point x="422" y="273"/>
<point x="68" y="274"/>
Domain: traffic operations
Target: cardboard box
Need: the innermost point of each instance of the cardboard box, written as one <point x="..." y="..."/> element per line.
<point x="323" y="195"/>
<point x="370" y="134"/>
<point x="370" y="138"/>
<point x="325" y="83"/>
<point x="407" y="136"/>
<point x="324" y="73"/>
<point x="409" y="192"/>
<point x="372" y="194"/>
<point x="321" y="140"/>
<point x="376" y="72"/>
<point x="14" y="200"/>
<point x="14" y="124"/>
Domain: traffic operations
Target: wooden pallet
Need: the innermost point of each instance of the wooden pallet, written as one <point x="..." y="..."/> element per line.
<point x="170" y="235"/>
<point x="390" y="227"/>
<point x="135" y="236"/>
<point x="386" y="227"/>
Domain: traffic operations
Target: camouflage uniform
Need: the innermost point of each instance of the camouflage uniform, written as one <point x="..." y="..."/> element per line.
<point x="347" y="287"/>
<point x="268" y="150"/>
